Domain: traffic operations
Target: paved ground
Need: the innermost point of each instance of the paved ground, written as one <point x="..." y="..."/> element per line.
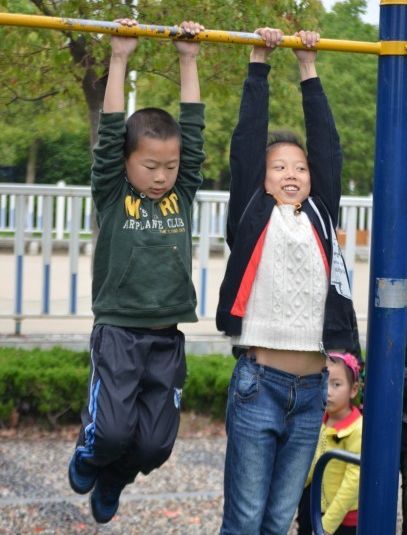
<point x="184" y="497"/>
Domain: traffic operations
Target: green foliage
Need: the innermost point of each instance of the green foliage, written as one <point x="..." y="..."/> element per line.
<point x="42" y="95"/>
<point x="42" y="384"/>
<point x="52" y="384"/>
<point x="67" y="158"/>
<point x="37" y="96"/>
<point x="207" y="382"/>
<point x="350" y="81"/>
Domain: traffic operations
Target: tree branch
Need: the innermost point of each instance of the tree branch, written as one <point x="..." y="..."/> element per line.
<point x="18" y="97"/>
<point x="40" y="4"/>
<point x="42" y="7"/>
<point x="161" y="74"/>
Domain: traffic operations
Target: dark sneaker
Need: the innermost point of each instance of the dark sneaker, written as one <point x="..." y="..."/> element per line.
<point x="82" y="476"/>
<point x="104" y="500"/>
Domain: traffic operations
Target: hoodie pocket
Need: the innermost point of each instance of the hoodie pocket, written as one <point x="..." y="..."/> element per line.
<point x="155" y="277"/>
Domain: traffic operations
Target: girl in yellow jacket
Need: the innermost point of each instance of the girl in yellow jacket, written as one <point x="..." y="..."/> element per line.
<point x="341" y="428"/>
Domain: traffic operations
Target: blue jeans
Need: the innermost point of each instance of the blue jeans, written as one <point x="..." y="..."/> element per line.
<point x="273" y="423"/>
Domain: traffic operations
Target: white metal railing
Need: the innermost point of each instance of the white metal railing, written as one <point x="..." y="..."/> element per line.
<point x="48" y="215"/>
<point x="63" y="196"/>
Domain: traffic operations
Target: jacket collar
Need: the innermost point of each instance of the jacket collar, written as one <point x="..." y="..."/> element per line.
<point x="345" y="426"/>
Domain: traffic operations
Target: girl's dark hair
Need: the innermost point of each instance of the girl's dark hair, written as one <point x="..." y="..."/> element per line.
<point x="284" y="136"/>
<point x="149" y="122"/>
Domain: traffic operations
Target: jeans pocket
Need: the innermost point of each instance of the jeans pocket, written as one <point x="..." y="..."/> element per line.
<point x="247" y="381"/>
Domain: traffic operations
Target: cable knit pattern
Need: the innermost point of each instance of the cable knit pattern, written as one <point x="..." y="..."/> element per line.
<point x="286" y="305"/>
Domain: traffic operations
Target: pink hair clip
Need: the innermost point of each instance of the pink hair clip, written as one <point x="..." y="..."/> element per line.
<point x="349" y="360"/>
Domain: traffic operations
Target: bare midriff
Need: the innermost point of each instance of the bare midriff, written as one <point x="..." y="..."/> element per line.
<point x="294" y="362"/>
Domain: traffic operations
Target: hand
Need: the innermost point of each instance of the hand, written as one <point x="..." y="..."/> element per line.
<point x="272" y="38"/>
<point x="185" y="47"/>
<point x="124" y="46"/>
<point x="308" y="39"/>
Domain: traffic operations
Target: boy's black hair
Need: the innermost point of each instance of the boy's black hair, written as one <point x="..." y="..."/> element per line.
<point x="285" y="136"/>
<point x="154" y="123"/>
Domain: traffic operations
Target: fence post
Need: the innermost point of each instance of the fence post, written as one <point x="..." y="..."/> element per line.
<point x="3" y="211"/>
<point x="60" y="218"/>
<point x="19" y="257"/>
<point x="30" y="214"/>
<point x="76" y="204"/>
<point x="46" y="251"/>
<point x="87" y="225"/>
<point x="12" y="213"/>
<point x="39" y="213"/>
<point x="350" y="247"/>
<point x="370" y="222"/>
<point x="204" y="244"/>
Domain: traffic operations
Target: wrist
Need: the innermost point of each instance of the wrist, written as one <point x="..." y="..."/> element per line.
<point x="259" y="56"/>
<point x="188" y="57"/>
<point x="307" y="70"/>
<point x="119" y="57"/>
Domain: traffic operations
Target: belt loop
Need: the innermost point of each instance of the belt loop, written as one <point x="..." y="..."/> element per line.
<point x="297" y="379"/>
<point x="251" y="357"/>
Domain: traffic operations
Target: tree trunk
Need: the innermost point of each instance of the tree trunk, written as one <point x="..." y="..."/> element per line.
<point x="31" y="170"/>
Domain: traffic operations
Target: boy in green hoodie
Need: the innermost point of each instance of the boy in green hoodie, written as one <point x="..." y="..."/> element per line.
<point x="145" y="175"/>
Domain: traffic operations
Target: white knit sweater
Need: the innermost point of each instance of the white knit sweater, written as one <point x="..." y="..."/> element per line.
<point x="285" y="309"/>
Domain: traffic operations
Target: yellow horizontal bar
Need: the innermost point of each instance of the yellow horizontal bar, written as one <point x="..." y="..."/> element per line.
<point x="173" y="32"/>
<point x="391" y="2"/>
<point x="393" y="48"/>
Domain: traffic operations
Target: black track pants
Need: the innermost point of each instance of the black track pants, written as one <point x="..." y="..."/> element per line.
<point x="132" y="416"/>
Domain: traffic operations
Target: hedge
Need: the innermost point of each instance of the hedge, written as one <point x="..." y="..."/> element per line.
<point x="52" y="385"/>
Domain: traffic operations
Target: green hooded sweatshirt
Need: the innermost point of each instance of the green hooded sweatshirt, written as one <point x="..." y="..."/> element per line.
<point x="143" y="257"/>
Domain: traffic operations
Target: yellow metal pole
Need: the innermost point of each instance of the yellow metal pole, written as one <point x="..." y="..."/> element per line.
<point x="173" y="32"/>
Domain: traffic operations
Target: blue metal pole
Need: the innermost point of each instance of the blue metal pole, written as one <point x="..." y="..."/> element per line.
<point x="387" y="330"/>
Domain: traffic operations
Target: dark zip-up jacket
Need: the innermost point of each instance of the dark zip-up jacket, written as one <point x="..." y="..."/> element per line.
<point x="143" y="259"/>
<point x="250" y="208"/>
